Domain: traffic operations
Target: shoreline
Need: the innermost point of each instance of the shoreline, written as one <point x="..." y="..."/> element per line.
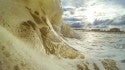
<point x="83" y="30"/>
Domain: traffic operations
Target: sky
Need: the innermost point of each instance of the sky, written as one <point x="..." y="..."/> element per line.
<point x="97" y="13"/>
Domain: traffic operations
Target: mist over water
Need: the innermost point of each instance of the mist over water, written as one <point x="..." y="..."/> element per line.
<point x="104" y="45"/>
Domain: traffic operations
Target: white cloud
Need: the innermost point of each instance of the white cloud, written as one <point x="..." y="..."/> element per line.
<point x="97" y="9"/>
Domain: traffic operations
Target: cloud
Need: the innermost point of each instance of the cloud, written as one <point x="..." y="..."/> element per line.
<point x="76" y="3"/>
<point x="100" y="13"/>
<point x="102" y="22"/>
<point x="120" y="2"/>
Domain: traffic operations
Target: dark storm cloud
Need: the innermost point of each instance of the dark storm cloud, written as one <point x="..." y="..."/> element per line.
<point x="120" y="23"/>
<point x="102" y="22"/>
<point x="109" y="22"/>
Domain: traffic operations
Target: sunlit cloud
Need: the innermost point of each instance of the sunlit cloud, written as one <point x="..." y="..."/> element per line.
<point x="91" y="10"/>
<point x="102" y="10"/>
